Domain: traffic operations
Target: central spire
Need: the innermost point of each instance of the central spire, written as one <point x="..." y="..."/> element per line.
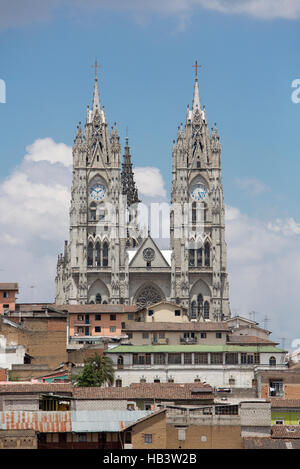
<point x="96" y="98"/>
<point x="196" y="98"/>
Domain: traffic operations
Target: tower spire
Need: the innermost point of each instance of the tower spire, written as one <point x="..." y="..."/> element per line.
<point x="96" y="97"/>
<point x="128" y="184"/>
<point x="196" y="98"/>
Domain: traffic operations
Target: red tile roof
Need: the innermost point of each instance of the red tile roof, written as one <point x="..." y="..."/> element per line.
<point x="285" y="431"/>
<point x="9" y="286"/>
<point x="250" y="340"/>
<point x="282" y="403"/>
<point x="176" y="326"/>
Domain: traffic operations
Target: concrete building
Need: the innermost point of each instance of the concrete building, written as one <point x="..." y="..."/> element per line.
<point x="218" y="365"/>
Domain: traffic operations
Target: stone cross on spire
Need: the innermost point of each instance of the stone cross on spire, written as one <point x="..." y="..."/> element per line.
<point x="196" y="66"/>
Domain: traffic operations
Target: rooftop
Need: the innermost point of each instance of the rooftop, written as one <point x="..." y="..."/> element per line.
<point x="176" y="326"/>
<point x="9" y="286"/>
<point x="193" y="348"/>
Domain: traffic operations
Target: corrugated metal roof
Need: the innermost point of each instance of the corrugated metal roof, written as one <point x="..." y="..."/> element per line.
<point x="104" y="420"/>
<point x="193" y="348"/>
<point x="39" y="421"/>
<point x="66" y="421"/>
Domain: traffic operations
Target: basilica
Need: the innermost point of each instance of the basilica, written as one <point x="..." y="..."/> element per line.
<point x="109" y="259"/>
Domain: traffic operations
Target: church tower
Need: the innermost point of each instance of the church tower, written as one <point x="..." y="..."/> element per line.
<point x="91" y="270"/>
<point x="197" y="225"/>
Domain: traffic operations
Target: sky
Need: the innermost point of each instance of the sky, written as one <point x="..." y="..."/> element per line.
<point x="249" y="82"/>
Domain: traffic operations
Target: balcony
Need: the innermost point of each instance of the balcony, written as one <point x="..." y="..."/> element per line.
<point x="160" y="341"/>
<point x="188" y="340"/>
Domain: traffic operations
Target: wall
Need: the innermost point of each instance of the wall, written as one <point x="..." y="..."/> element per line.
<point x="205" y="437"/>
<point x="105" y="323"/>
<point x="18" y="439"/>
<point x="10" y="301"/>
<point x="174" y="337"/>
<point x="43" y="338"/>
<point x="156" y="426"/>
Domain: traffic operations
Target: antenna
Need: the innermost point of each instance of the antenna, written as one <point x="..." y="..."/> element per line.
<point x="266" y="321"/>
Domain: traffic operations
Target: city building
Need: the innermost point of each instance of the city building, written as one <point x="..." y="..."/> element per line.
<point x="8" y="293"/>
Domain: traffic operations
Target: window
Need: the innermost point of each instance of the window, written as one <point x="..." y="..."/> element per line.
<point x="216" y="358"/>
<point x="231" y="358"/>
<point x="123" y="326"/>
<point x="145" y="335"/>
<point x="250" y="358"/>
<point x="118" y="383"/>
<point x="129" y="335"/>
<point x="156" y="380"/>
<point x="97" y="317"/>
<point x="98" y="298"/>
<point x="80" y="330"/>
<point x="200" y="358"/>
<point x="219" y="335"/>
<point x="90" y="254"/>
<point x="142" y="380"/>
<point x="97" y="329"/>
<point x="97" y="254"/>
<point x="130" y="316"/>
<point x="142" y="358"/>
<point x="276" y="388"/>
<point x="207" y="255"/>
<point x="5" y="306"/>
<point x="192" y="257"/>
<point x="199" y="257"/>
<point x="199" y="303"/>
<point x="194" y="213"/>
<point x="159" y="359"/>
<point x="112" y="317"/>
<point x="82" y="437"/>
<point x="5" y="294"/>
<point x="161" y="335"/>
<point x="187" y="358"/>
<point x="193" y="310"/>
<point x="272" y="361"/>
<point x="112" y="329"/>
<point x="174" y="358"/>
<point x="198" y="164"/>
<point x="203" y="335"/>
<point x="177" y="312"/>
<point x="127" y="438"/>
<point x="105" y="254"/>
<point x="206" y="310"/>
<point x="147" y="406"/>
<point x="279" y="422"/>
<point x="148" y="438"/>
<point x="150" y="312"/>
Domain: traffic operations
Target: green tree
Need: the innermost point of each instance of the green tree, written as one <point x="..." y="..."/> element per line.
<point x="97" y="371"/>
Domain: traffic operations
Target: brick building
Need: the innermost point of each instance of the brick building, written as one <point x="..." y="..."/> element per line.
<point x="8" y="293"/>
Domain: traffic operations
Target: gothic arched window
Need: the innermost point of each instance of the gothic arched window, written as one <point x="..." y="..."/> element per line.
<point x="105" y="254"/>
<point x="192" y="257"/>
<point x="90" y="254"/>
<point x="199" y="257"/>
<point x="98" y="298"/>
<point x="199" y="303"/>
<point x="207" y="255"/>
<point x="97" y="252"/>
<point x="193" y="309"/>
<point x="206" y="310"/>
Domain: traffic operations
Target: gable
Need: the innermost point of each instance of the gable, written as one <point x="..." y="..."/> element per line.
<point x="148" y="250"/>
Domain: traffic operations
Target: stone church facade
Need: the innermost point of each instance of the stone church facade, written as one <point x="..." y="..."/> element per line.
<point x="108" y="259"/>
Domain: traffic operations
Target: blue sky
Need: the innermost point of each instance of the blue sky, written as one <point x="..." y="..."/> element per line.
<point x="249" y="61"/>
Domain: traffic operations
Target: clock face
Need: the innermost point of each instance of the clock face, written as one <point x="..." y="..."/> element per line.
<point x="97" y="192"/>
<point x="199" y="192"/>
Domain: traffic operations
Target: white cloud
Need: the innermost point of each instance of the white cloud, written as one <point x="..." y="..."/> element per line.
<point x="149" y="181"/>
<point x="264" y="270"/>
<point x="34" y="203"/>
<point x="31" y="11"/>
<point x="45" y="149"/>
<point x="252" y="186"/>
